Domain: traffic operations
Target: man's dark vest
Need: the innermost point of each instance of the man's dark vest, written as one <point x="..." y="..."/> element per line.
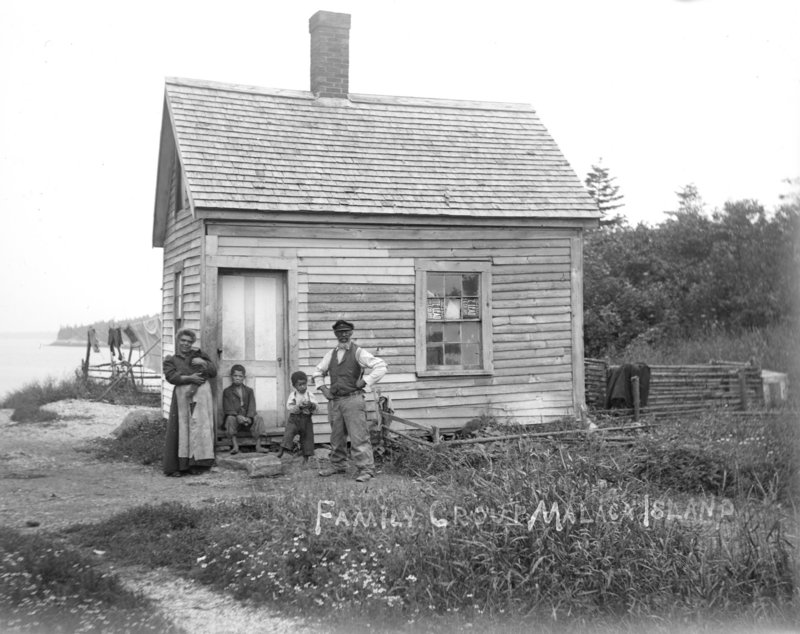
<point x="345" y="374"/>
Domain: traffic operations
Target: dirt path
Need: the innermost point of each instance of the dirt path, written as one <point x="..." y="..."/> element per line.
<point x="48" y="476"/>
<point x="49" y="480"/>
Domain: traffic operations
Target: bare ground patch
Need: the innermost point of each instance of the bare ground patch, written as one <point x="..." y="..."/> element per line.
<point x="50" y="479"/>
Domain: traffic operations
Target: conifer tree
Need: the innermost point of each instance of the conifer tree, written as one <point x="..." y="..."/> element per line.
<point x="689" y="200"/>
<point x="605" y="193"/>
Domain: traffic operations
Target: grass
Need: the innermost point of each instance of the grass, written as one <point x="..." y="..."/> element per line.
<point x="46" y="586"/>
<point x="28" y="400"/>
<point x="744" y="457"/>
<point x="534" y="533"/>
<point x="691" y="528"/>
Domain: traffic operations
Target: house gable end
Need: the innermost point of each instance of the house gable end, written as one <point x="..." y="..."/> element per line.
<point x="171" y="183"/>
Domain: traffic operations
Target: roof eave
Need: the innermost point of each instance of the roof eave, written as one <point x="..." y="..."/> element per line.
<point x="166" y="153"/>
<point x="169" y="148"/>
<point x="348" y="216"/>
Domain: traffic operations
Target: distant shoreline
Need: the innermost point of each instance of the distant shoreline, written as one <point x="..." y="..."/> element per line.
<point x="67" y="342"/>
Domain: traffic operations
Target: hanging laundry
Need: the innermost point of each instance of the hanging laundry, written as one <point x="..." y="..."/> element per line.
<point x="619" y="392"/>
<point x="93" y="341"/>
<point x="148" y="334"/>
<point x="131" y="335"/>
<point x="115" y="342"/>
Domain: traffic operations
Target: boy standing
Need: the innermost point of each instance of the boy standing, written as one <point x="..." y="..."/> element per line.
<point x="239" y="409"/>
<point x="301" y="405"/>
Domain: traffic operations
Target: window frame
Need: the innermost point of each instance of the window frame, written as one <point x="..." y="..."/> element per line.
<point x="178" y="317"/>
<point x="178" y="197"/>
<point x="483" y="268"/>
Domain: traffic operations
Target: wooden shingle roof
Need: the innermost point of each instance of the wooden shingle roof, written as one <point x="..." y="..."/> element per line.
<point x="252" y="149"/>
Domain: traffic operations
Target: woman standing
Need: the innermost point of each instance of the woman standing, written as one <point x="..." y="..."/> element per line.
<point x="189" y="446"/>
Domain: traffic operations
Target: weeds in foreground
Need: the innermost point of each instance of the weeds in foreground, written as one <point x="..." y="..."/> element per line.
<point x="536" y="533"/>
<point x="28" y="400"/>
<point x="719" y="454"/>
<point x="154" y="536"/>
<point x="47" y="587"/>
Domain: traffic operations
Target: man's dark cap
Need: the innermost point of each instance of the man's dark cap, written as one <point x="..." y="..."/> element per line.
<point x="343" y="325"/>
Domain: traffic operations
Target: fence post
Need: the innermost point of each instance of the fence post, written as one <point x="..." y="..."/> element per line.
<point x="636" y="397"/>
<point x="743" y="389"/>
<point x="85" y="364"/>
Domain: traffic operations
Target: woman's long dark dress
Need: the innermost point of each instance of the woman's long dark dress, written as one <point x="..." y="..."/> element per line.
<point x="175" y="368"/>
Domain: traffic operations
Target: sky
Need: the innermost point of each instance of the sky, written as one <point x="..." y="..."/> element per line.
<point x="664" y="92"/>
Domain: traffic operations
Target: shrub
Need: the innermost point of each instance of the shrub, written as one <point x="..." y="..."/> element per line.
<point x="30" y="412"/>
<point x="27" y="400"/>
<point x="142" y="442"/>
<point x="42" y="392"/>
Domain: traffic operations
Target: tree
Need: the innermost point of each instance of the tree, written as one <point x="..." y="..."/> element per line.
<point x="605" y="193"/>
<point x="733" y="268"/>
<point x="624" y="295"/>
<point x="689" y="200"/>
<point x="792" y="196"/>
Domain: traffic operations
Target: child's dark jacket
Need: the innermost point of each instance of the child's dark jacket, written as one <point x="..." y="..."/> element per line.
<point x="232" y="406"/>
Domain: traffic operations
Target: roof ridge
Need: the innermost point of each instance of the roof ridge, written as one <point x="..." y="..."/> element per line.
<point x="433" y="102"/>
<point x="245" y="88"/>
<point x="438" y="102"/>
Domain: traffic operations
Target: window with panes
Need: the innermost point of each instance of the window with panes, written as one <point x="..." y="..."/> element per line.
<point x="454" y="323"/>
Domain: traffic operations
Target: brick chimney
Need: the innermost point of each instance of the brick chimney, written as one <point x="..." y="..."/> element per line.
<point x="330" y="54"/>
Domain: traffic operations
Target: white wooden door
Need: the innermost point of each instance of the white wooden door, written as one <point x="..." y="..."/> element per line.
<point x="252" y="307"/>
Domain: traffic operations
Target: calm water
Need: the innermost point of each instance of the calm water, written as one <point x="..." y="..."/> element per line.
<point x="27" y="357"/>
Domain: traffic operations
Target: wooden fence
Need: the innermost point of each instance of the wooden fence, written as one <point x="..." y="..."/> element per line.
<point x="134" y="374"/>
<point x="596" y="376"/>
<point x="675" y="388"/>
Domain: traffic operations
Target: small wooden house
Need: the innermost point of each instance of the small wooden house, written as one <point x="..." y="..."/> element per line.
<point x="449" y="232"/>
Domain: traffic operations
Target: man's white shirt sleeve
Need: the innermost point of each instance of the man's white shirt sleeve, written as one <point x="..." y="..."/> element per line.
<point x="375" y="368"/>
<point x="321" y="371"/>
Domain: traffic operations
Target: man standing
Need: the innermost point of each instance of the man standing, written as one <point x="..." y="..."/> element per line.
<point x="351" y="369"/>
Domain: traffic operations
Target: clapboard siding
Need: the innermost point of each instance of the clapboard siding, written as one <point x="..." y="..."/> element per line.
<point x="520" y="300"/>
<point x="182" y="251"/>
<point x="366" y="274"/>
<point x="397" y="299"/>
<point x="510" y="287"/>
<point x="368" y="321"/>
